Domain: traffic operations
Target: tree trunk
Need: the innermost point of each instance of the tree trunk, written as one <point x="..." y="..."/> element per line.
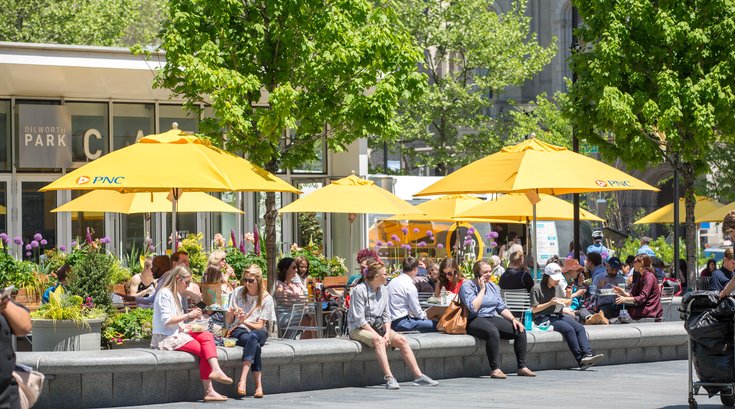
<point x="270" y="230"/>
<point x="687" y="175"/>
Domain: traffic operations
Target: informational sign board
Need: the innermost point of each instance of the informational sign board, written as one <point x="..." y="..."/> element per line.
<point x="44" y="136"/>
<point x="547" y="241"/>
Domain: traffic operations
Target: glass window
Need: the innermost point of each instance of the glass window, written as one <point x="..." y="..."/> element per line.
<point x="4" y="135"/>
<point x="224" y="222"/>
<point x="318" y="165"/>
<point x="81" y="220"/>
<point x="37" y="216"/>
<point x="89" y="125"/>
<point x="260" y="222"/>
<point x="132" y="232"/>
<point x="309" y="226"/>
<point x="131" y="122"/>
<point x="168" y="114"/>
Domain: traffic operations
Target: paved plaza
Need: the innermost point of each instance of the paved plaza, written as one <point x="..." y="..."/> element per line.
<point x="650" y="385"/>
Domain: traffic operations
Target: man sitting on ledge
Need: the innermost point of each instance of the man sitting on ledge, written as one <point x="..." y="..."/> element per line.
<point x="403" y="301"/>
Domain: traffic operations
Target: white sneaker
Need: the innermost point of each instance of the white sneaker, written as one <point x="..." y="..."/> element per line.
<point x="391" y="383"/>
<point x="424" y="380"/>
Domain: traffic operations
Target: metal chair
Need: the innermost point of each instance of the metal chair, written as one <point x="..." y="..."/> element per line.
<point x="517" y="301"/>
<point x="702" y="283"/>
<point x="291" y="312"/>
<point x="667" y="296"/>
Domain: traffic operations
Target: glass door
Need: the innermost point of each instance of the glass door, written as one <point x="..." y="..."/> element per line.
<point x="36" y="218"/>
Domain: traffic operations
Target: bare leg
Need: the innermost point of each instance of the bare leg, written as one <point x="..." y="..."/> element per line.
<point x="407" y="354"/>
<point x="258" y="377"/>
<point x="209" y="389"/>
<point x="244" y="376"/>
<point x="382" y="355"/>
<point x="217" y="373"/>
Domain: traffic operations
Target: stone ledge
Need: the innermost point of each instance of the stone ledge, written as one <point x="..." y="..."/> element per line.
<point x="106" y="378"/>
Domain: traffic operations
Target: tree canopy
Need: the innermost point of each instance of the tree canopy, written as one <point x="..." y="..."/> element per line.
<point x="285" y="75"/>
<point x="81" y="22"/>
<point x="655" y="84"/>
<point x="472" y="52"/>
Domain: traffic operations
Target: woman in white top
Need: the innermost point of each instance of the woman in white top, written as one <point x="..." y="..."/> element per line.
<point x="250" y="308"/>
<point x="168" y="315"/>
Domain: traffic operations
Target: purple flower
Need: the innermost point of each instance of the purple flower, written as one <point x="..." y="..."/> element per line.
<point x="88" y="238"/>
<point x="232" y="237"/>
<point x="17" y="240"/>
<point x="37" y="237"/>
<point x="4" y="237"/>
<point x="440" y="246"/>
<point x="493" y="244"/>
<point x="34" y="244"/>
<point x="74" y="244"/>
<point x="28" y="247"/>
<point x="429" y="233"/>
<point x="422" y="244"/>
<point x="493" y="234"/>
<point x="404" y="230"/>
<point x="256" y="243"/>
<point x="28" y="253"/>
<point x="389" y="244"/>
<point x="242" y="246"/>
<point x="471" y="231"/>
<point x="394" y="237"/>
<point x="415" y="229"/>
<point x="379" y="243"/>
<point x="62" y="248"/>
<point x="151" y="248"/>
<point x="105" y="240"/>
<point x="406" y="246"/>
<point x="44" y="242"/>
<point x="467" y="242"/>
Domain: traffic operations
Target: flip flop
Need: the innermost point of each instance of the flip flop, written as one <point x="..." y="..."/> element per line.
<point x="215" y="398"/>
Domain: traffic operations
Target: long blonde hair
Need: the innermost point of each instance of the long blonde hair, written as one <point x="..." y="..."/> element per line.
<point x="178" y="272"/>
<point x="256" y="273"/>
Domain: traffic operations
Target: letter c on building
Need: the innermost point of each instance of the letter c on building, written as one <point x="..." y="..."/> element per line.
<point x="87" y="153"/>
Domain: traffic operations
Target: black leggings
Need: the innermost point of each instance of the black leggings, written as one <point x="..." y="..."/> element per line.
<point x="492" y="330"/>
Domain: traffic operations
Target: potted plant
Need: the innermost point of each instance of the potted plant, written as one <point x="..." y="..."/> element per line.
<point x="25" y="277"/>
<point x="67" y="323"/>
<point x="131" y="329"/>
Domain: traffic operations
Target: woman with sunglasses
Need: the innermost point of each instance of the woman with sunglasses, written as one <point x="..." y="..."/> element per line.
<point x="168" y="334"/>
<point x="645" y="294"/>
<point x="251" y="307"/>
<point x="450" y="278"/>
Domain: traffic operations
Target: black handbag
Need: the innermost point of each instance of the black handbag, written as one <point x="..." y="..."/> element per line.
<point x="375" y="322"/>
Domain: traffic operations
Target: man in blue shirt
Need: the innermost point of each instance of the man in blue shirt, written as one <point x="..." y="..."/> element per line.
<point x="594" y="265"/>
<point x="597" y="246"/>
<point x="721" y="277"/>
<point x="645" y="248"/>
<point x="613" y="278"/>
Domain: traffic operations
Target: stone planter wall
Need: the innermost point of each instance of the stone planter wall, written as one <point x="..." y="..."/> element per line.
<point x="65" y="335"/>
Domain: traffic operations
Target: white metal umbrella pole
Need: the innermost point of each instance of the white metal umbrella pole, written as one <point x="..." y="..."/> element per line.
<point x="174" y="206"/>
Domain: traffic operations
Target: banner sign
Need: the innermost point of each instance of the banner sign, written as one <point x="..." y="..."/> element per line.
<point x="44" y="136"/>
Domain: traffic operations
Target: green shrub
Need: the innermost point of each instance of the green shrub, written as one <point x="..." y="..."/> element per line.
<point x="92" y="276"/>
<point x="135" y="324"/>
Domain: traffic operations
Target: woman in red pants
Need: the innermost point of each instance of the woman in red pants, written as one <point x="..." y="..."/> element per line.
<point x="168" y="317"/>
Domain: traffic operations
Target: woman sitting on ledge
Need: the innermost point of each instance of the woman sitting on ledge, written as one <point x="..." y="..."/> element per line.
<point x="250" y="308"/>
<point x="168" y="315"/>
<point x="368" y="322"/>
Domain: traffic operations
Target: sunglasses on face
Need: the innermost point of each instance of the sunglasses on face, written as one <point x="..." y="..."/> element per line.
<point x="248" y="280"/>
<point x="449" y="273"/>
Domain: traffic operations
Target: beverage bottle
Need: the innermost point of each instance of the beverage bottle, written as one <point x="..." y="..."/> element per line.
<point x="528" y="319"/>
<point x="444" y="295"/>
<point x="310" y="290"/>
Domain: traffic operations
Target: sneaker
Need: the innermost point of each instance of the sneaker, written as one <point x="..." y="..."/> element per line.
<point x="424" y="380"/>
<point x="391" y="383"/>
<point x="590" y="360"/>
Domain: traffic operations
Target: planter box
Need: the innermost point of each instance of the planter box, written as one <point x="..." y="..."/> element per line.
<point x="131" y="343"/>
<point x="65" y="335"/>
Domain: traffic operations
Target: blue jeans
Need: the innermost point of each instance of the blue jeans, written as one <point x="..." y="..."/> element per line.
<point x="251" y="343"/>
<point x="413" y="324"/>
<point x="574" y="333"/>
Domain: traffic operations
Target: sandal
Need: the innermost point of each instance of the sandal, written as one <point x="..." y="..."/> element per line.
<point x="215" y="398"/>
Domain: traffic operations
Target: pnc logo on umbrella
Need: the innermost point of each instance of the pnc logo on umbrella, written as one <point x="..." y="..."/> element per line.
<point x="81" y="180"/>
<point x="600" y="183"/>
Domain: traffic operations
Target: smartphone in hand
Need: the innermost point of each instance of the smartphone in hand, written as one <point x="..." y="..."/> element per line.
<point x="7" y="291"/>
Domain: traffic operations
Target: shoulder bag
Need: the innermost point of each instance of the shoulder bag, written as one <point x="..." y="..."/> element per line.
<point x="30" y="384"/>
<point x="454" y="319"/>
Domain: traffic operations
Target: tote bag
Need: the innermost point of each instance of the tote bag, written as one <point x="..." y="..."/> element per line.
<point x="454" y="319"/>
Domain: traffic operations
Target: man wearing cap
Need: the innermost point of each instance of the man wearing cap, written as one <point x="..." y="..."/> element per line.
<point x="548" y="303"/>
<point x="597" y="246"/>
<point x="613" y="278"/>
<point x="570" y="284"/>
<point x="645" y="248"/>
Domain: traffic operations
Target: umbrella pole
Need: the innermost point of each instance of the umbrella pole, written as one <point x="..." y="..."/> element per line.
<point x="535" y="245"/>
<point x="174" y="236"/>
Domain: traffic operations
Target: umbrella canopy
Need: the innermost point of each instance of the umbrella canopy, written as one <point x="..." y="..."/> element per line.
<point x="167" y="161"/>
<point x="351" y="195"/>
<point x="702" y="207"/>
<point x="3" y="210"/>
<point x="715" y="214"/>
<point x="446" y="209"/>
<point x="158" y="202"/>
<point x="534" y="165"/>
<point x="518" y="209"/>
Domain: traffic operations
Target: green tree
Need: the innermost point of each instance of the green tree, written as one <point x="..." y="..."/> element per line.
<point x="471" y="53"/>
<point x="284" y="75"/>
<point x="82" y="22"/>
<point x="543" y="117"/>
<point x="655" y="85"/>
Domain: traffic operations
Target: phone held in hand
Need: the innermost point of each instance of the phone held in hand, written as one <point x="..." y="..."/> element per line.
<point x="201" y="305"/>
<point x="7" y="291"/>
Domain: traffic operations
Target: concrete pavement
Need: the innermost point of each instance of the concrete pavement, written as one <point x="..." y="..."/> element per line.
<point x="649" y="385"/>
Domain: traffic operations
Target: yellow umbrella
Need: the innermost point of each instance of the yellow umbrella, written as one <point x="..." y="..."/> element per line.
<point x="716" y="214"/>
<point x="703" y="207"/>
<point x="3" y="210"/>
<point x="517" y="209"/>
<point x="130" y="203"/>
<point x="536" y="166"/>
<point x="351" y="195"/>
<point x="446" y="209"/>
<point x="175" y="162"/>
<point x="88" y="216"/>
